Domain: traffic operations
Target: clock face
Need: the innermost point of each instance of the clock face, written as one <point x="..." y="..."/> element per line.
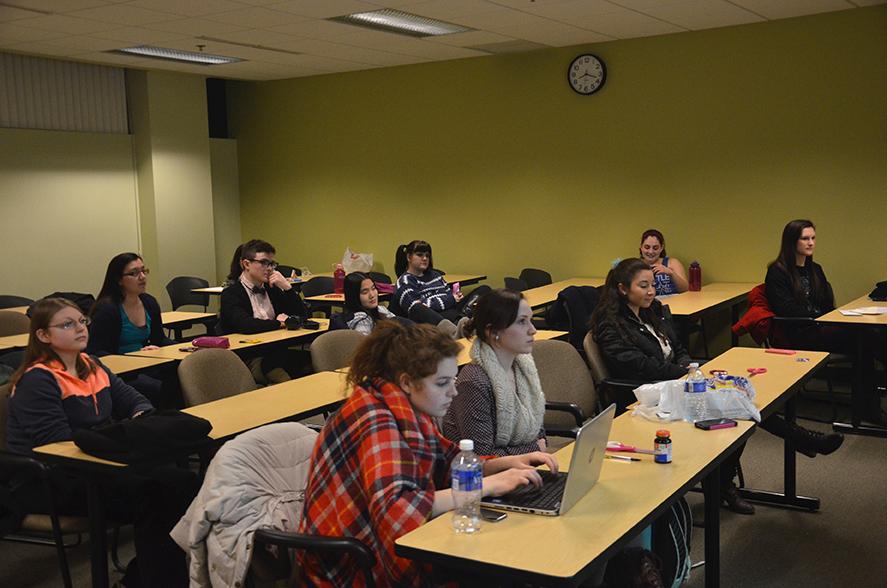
<point x="587" y="74"/>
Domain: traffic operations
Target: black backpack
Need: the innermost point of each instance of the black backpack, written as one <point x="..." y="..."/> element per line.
<point x="571" y="311"/>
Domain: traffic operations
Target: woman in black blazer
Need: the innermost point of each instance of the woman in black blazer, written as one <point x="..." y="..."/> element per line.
<point x="125" y="318"/>
<point x="257" y="299"/>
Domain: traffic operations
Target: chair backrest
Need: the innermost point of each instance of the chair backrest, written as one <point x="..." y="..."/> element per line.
<point x="334" y="349"/>
<point x="516" y="284"/>
<point x="565" y="378"/>
<point x="535" y="277"/>
<point x="380" y="278"/>
<point x="180" y="294"/>
<point x="13" y="323"/>
<point x="599" y="371"/>
<point x="211" y="374"/>
<point x="11" y="301"/>
<point x="318" y="285"/>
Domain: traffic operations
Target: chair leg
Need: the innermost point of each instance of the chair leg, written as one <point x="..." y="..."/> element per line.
<point x="704" y="338"/>
<point x="60" y="548"/>
<point x="115" y="543"/>
<point x="831" y="395"/>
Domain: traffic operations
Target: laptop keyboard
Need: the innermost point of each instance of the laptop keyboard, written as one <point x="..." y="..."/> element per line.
<point x="547" y="497"/>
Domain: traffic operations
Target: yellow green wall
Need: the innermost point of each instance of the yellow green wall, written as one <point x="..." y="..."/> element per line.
<point x="715" y="137"/>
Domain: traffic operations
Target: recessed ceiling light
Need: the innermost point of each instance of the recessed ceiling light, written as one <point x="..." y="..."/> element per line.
<point x="404" y="23"/>
<point x="199" y="58"/>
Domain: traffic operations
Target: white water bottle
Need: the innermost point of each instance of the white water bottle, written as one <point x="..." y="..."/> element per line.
<point x="467" y="488"/>
<point x="694" y="395"/>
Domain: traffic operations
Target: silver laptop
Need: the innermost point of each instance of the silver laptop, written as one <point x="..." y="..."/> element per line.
<point x="559" y="492"/>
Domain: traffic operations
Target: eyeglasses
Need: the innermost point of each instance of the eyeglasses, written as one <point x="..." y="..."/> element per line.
<point x="266" y="263"/>
<point x="135" y="273"/>
<point x="71" y="323"/>
<point x="423" y="254"/>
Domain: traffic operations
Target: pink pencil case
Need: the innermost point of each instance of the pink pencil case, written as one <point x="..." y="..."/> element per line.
<point x="384" y="288"/>
<point x="214" y="342"/>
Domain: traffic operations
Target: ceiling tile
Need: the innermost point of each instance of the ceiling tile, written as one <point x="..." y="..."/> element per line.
<point x="188" y="7"/>
<point x="555" y="34"/>
<point x="116" y="59"/>
<point x="703" y="14"/>
<point x="469" y="38"/>
<point x="83" y="43"/>
<point x="451" y="8"/>
<point x="195" y="27"/>
<point x="138" y="35"/>
<point x="324" y="8"/>
<point x="68" y="24"/>
<point x="499" y="19"/>
<point x="122" y="14"/>
<point x="254" y="37"/>
<point x="316" y="29"/>
<point x="10" y="13"/>
<point x="626" y="24"/>
<point x="256" y="17"/>
<point x="14" y="32"/>
<point x="38" y="48"/>
<point x="572" y="10"/>
<point x="790" y="8"/>
<point x="59" y="6"/>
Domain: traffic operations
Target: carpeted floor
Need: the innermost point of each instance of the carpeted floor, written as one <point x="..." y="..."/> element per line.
<point x="845" y="544"/>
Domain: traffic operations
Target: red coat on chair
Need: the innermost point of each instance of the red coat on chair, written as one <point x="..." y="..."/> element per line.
<point x="756" y="320"/>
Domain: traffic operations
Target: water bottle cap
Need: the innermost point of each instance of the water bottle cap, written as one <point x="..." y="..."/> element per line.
<point x="466" y="445"/>
<point x="663" y="433"/>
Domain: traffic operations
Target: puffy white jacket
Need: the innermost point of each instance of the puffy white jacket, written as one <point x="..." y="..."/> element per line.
<point x="255" y="480"/>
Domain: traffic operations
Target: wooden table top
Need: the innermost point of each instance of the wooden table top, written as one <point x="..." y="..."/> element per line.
<point x="172" y="318"/>
<point x="21" y="309"/>
<point x="710" y="297"/>
<point x="237" y="341"/>
<point x="545" y="295"/>
<point x="784" y="372"/>
<point x="122" y="364"/>
<point x="14" y="341"/>
<point x="270" y="404"/>
<point x="835" y="316"/>
<point x="626" y="497"/>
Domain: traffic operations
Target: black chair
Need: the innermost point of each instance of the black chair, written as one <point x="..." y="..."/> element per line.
<point x="516" y="284"/>
<point x="11" y="301"/>
<point x="287" y="270"/>
<point x="535" y="277"/>
<point x="341" y="546"/>
<point x="380" y="278"/>
<point x="318" y="286"/>
<point x="180" y="294"/>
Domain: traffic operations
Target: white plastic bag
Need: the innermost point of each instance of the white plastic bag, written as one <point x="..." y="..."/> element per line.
<point x="356" y="262"/>
<point x="730" y="397"/>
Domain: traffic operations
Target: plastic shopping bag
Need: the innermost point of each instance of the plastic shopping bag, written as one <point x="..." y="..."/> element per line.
<point x="729" y="397"/>
<point x="356" y="262"/>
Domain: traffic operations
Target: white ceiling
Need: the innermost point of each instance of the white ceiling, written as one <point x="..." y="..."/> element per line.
<point x="286" y="39"/>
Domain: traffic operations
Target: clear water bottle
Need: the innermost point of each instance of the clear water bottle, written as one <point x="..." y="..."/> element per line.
<point x="467" y="488"/>
<point x="694" y="394"/>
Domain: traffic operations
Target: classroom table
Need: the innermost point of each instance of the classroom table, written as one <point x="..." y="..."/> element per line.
<point x="863" y="363"/>
<point x="775" y="389"/>
<point x="712" y="297"/>
<point x="295" y="399"/>
<point x="21" y="309"/>
<point x="14" y="341"/>
<point x="217" y="290"/>
<point x="565" y="550"/>
<point x="545" y="295"/>
<point x="180" y="318"/>
<point x="125" y="364"/>
<point x="239" y="342"/>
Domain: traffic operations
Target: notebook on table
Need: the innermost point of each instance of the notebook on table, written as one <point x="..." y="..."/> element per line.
<point x="559" y="492"/>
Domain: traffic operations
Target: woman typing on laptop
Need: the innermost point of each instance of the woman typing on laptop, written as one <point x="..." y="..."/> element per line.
<point x="380" y="467"/>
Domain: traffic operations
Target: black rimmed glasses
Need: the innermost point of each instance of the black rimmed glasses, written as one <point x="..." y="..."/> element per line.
<point x="266" y="263"/>
<point x="71" y="323"/>
<point x="137" y="272"/>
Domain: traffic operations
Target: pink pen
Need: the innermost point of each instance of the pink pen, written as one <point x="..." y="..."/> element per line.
<point x="617" y="446"/>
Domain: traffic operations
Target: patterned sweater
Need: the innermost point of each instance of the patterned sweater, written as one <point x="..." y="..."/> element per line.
<point x="374" y="470"/>
<point x="431" y="289"/>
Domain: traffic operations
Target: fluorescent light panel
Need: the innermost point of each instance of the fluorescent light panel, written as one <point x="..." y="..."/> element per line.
<point x="404" y="23"/>
<point x="177" y="55"/>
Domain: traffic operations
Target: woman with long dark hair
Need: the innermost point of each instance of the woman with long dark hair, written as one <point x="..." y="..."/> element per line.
<point x="500" y="403"/>
<point x="125" y="318"/>
<point x="668" y="273"/>
<point x="362" y="308"/>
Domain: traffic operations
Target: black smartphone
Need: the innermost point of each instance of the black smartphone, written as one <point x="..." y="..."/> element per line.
<point x="188" y="349"/>
<point x="493" y="516"/>
<point x="712" y="424"/>
<point x="310" y="325"/>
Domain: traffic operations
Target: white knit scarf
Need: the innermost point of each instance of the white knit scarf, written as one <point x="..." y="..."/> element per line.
<point x="518" y="415"/>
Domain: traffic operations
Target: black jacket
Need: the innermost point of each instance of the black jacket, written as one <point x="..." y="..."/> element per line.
<point x="778" y="285"/>
<point x="636" y="354"/>
<point x="104" y="332"/>
<point x="236" y="311"/>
